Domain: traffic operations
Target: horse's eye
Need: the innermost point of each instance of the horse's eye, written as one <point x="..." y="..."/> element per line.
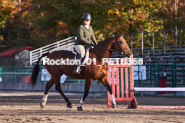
<point x="121" y="42"/>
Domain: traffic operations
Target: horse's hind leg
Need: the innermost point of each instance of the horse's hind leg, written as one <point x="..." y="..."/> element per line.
<point x="58" y="88"/>
<point x="104" y="81"/>
<point x="47" y="88"/>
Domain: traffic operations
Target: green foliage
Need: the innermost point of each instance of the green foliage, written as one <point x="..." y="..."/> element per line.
<point x="16" y="30"/>
<point x="41" y="22"/>
<point x="172" y="12"/>
<point x="7" y="9"/>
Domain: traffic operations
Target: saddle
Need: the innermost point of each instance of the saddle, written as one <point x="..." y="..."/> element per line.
<point x="85" y="58"/>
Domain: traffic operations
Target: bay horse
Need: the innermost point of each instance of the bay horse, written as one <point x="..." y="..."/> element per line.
<point x="91" y="72"/>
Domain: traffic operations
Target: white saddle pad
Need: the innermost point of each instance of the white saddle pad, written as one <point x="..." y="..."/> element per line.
<point x="86" y="56"/>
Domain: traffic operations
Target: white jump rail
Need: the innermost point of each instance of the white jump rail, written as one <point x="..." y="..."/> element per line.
<point x="158" y="89"/>
<point x="65" y="44"/>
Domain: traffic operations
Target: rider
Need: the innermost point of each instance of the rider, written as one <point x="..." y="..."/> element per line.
<point x="85" y="36"/>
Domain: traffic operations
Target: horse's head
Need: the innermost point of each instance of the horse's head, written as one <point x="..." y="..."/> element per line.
<point x="121" y="45"/>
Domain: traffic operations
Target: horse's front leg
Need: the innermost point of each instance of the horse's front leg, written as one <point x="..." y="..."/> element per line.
<point x="104" y="81"/>
<point x="88" y="83"/>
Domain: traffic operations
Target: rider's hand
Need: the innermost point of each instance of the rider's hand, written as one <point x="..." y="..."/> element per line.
<point x="92" y="44"/>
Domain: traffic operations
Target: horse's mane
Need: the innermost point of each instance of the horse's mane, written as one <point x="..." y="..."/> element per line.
<point x="101" y="42"/>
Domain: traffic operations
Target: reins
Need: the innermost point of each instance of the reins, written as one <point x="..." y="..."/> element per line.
<point x="108" y="49"/>
<point x="113" y="49"/>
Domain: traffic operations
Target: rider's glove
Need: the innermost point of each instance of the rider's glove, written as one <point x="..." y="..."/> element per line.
<point x="92" y="45"/>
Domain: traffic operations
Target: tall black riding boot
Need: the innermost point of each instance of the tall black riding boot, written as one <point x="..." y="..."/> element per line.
<point x="77" y="67"/>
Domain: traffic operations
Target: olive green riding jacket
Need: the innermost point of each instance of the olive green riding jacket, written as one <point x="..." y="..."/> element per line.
<point x="85" y="36"/>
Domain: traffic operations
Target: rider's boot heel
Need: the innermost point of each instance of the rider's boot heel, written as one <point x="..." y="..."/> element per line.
<point x="76" y="70"/>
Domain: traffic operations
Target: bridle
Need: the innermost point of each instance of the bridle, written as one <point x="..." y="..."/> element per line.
<point x="117" y="40"/>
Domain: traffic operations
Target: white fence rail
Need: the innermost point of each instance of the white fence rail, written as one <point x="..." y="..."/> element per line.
<point x="159" y="89"/>
<point x="65" y="44"/>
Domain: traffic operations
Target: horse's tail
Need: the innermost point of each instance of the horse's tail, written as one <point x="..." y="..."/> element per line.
<point x="35" y="71"/>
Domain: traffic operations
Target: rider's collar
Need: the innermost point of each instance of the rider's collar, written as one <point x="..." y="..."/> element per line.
<point x="87" y="26"/>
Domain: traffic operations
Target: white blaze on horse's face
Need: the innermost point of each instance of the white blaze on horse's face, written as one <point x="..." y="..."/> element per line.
<point x="124" y="45"/>
<point x="121" y="39"/>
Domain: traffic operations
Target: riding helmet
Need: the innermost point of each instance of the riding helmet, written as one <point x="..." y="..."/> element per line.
<point x="86" y="16"/>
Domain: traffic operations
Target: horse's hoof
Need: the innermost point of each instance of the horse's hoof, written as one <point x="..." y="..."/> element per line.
<point x="113" y="106"/>
<point x="79" y="108"/>
<point x="69" y="105"/>
<point x="41" y="105"/>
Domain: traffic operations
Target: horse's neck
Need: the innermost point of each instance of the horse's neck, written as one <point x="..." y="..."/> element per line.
<point x="102" y="50"/>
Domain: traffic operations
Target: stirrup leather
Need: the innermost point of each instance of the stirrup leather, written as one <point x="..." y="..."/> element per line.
<point x="77" y="67"/>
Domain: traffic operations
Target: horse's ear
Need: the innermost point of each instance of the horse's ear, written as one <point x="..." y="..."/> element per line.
<point x="121" y="36"/>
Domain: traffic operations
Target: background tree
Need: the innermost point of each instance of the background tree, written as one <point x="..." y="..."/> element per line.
<point x="7" y="10"/>
<point x="16" y="28"/>
<point x="40" y="22"/>
<point x="172" y="12"/>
